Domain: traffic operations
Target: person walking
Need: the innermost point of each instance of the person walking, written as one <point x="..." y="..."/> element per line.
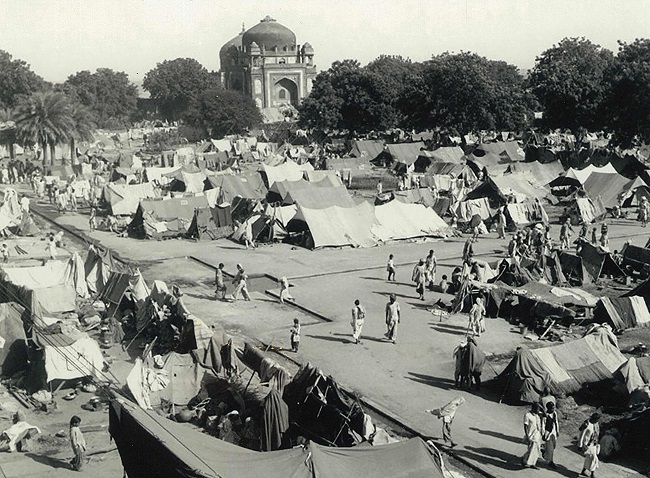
<point x="430" y="266"/>
<point x="501" y="224"/>
<point x="240" y="282"/>
<point x="468" y="250"/>
<point x="459" y="356"/>
<point x="390" y="267"/>
<point x="419" y="277"/>
<point x="358" y="316"/>
<point x="78" y="443"/>
<point x="477" y="318"/>
<point x="644" y="211"/>
<point x="589" y="444"/>
<point x="565" y="234"/>
<point x="447" y="414"/>
<point x="284" y="290"/>
<point x="551" y="430"/>
<point x="532" y="437"/>
<point x="220" y="285"/>
<point x="92" y="220"/>
<point x="393" y="317"/>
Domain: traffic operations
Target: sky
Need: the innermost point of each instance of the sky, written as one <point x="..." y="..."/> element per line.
<point x="60" y="37"/>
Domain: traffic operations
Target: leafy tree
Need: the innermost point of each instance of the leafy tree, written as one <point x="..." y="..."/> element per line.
<point x="627" y="108"/>
<point x="465" y="92"/>
<point x="164" y="140"/>
<point x="8" y="130"/>
<point x="44" y="119"/>
<point x="219" y="112"/>
<point x="16" y="80"/>
<point x="350" y="97"/>
<point x="175" y="83"/>
<point x="109" y="96"/>
<point x="570" y="83"/>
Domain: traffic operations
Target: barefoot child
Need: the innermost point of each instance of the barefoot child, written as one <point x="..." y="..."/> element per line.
<point x="78" y="443"/>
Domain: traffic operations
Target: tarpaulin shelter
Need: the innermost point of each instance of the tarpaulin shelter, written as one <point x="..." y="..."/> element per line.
<point x="445" y="154"/>
<point x="636" y="258"/>
<point x="160" y="175"/>
<point x="117" y="287"/>
<point x="609" y="187"/>
<point x="465" y="210"/>
<point x="367" y="149"/>
<point x="184" y="377"/>
<point x="524" y="213"/>
<point x="454" y="170"/>
<point x="589" y="210"/>
<point x="261" y="228"/>
<point x="123" y="199"/>
<point x="500" y="189"/>
<point x="337" y="226"/>
<point x="287" y="171"/>
<point x="13" y="353"/>
<point x="563" y="369"/>
<point x="210" y="223"/>
<point x="151" y="445"/>
<point x="230" y="186"/>
<point x="623" y="312"/>
<point x="98" y="266"/>
<point x="581" y="175"/>
<point x="416" y="196"/>
<point x="52" y="287"/>
<point x="598" y="262"/>
<point x="166" y="217"/>
<point x="122" y="174"/>
<point x="190" y="180"/>
<point x="633" y="193"/>
<point x="327" y="414"/>
<point x="397" y="220"/>
<point x="323" y="177"/>
<point x="489" y="163"/>
<point x="543" y="172"/>
<point x="312" y="195"/>
<point x="510" y="150"/>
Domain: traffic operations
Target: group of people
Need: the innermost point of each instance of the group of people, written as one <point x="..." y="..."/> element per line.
<point x="424" y="273"/>
<point x="393" y="316"/>
<point x="240" y="281"/>
<point x="541" y="429"/>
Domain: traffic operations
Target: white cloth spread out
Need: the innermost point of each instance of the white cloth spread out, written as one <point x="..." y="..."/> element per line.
<point x="80" y="359"/>
<point x="15" y="431"/>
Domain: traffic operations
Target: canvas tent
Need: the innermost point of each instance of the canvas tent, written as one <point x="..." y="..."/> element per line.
<point x="368" y="150"/>
<point x="636" y="258"/>
<point x="210" y="223"/>
<point x="589" y="210"/>
<point x="230" y="186"/>
<point x="623" y="312"/>
<point x="609" y="187"/>
<point x="509" y="150"/>
<point x="167" y="217"/>
<point x="336" y="226"/>
<point x="397" y="220"/>
<point x="522" y="214"/>
<point x="543" y="172"/>
<point x="13" y="353"/>
<point x="97" y="268"/>
<point x="123" y="199"/>
<point x="118" y="285"/>
<point x="563" y="368"/>
<point x="416" y="196"/>
<point x="404" y="155"/>
<point x="500" y="189"/>
<point x="465" y="210"/>
<point x="598" y="262"/>
<point x="287" y="171"/>
<point x="151" y="445"/>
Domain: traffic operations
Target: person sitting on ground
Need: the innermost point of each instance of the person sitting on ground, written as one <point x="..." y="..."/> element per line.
<point x="284" y="290"/>
<point x="14" y="437"/>
<point x="443" y="286"/>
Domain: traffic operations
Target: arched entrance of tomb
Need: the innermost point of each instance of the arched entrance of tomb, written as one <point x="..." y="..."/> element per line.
<point x="285" y="91"/>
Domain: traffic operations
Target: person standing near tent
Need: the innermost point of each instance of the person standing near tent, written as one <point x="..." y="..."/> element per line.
<point x="475" y="360"/>
<point x="419" y="277"/>
<point x="604" y="241"/>
<point x="78" y="443"/>
<point x="459" y="354"/>
<point x="594" y="238"/>
<point x="92" y="220"/>
<point x="393" y="317"/>
<point x="468" y="250"/>
<point x="501" y="224"/>
<point x="589" y="444"/>
<point x="477" y="318"/>
<point x="431" y="264"/>
<point x="380" y="188"/>
<point x="447" y="414"/>
<point x="51" y="247"/>
<point x="220" y="285"/>
<point x="5" y="253"/>
<point x="644" y="211"/>
<point x="565" y="234"/>
<point x="295" y="335"/>
<point x="358" y="317"/>
<point x="240" y="282"/>
<point x="551" y="430"/>
<point x="532" y="437"/>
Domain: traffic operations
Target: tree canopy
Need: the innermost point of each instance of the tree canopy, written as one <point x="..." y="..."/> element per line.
<point x="570" y="82"/>
<point x="16" y="80"/>
<point x="175" y="83"/>
<point x="109" y="96"/>
<point x="219" y="112"/>
<point x="627" y="107"/>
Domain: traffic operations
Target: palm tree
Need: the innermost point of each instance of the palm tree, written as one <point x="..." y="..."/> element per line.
<point x="83" y="128"/>
<point x="44" y="119"/>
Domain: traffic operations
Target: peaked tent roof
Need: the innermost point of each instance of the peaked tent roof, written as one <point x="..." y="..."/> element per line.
<point x="340" y="226"/>
<point x="169" y="216"/>
<point x="608" y="186"/>
<point x="287" y="171"/>
<point x="445" y="154"/>
<point x="544" y="172"/>
<point x="405" y="153"/>
<point x="510" y="149"/>
<point x="124" y="198"/>
<point x="248" y="186"/>
<point x="623" y="312"/>
<point x="397" y="220"/>
<point x="583" y="174"/>
<point x="366" y="149"/>
<point x="524" y="186"/>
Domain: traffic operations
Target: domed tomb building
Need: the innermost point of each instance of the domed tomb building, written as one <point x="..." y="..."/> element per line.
<point x="266" y="63"/>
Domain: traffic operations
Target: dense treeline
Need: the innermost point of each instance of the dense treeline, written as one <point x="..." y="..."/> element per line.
<point x="576" y="84"/>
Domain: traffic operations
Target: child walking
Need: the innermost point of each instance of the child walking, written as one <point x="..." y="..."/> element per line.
<point x="295" y="335"/>
<point x="78" y="443"/>
<point x="390" y="267"/>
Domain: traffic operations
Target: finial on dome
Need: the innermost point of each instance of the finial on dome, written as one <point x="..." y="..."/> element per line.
<point x="243" y="27"/>
<point x="267" y="19"/>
